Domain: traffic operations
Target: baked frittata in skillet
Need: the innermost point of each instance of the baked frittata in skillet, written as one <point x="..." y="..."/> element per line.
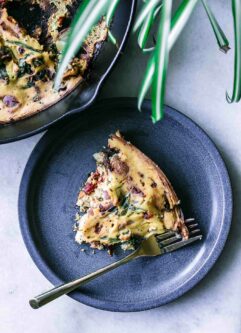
<point x="32" y="35"/>
<point x="128" y="197"/>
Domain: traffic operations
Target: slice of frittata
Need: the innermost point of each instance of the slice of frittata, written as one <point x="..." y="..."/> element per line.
<point x="128" y="197"/>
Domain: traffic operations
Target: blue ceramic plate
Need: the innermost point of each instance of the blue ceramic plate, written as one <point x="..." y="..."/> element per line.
<point x="59" y="165"/>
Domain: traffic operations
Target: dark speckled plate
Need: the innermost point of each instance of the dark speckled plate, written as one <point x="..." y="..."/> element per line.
<point x="59" y="165"/>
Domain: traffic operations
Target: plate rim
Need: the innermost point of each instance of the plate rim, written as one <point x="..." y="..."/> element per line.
<point x="148" y="304"/>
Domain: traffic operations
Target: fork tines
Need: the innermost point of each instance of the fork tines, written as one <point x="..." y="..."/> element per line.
<point x="171" y="240"/>
<point x="193" y="227"/>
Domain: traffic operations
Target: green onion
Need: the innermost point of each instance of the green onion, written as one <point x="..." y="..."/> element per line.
<point x="236" y="94"/>
<point x="26" y="46"/>
<point x="87" y="15"/>
<point x="161" y="57"/>
<point x="109" y="17"/>
<point x="114" y="240"/>
<point x="146" y="27"/>
<point x="147" y="8"/>
<point x="90" y="11"/>
<point x="220" y="36"/>
<point x="111" y="11"/>
<point x="179" y="20"/>
<point x="146" y="82"/>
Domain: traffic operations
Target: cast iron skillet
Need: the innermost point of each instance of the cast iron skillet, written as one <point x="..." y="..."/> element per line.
<point x="84" y="94"/>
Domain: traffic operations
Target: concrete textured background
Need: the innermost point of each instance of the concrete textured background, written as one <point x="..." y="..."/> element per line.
<point x="198" y="77"/>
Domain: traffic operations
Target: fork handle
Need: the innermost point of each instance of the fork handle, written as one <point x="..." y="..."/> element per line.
<point x="66" y="288"/>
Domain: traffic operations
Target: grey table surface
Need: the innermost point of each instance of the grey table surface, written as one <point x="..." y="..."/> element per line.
<point x="198" y="77"/>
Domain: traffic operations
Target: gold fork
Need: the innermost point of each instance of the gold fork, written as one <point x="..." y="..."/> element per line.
<point x="153" y="246"/>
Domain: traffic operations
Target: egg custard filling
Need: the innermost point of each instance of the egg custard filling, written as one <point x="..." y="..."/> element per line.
<point x="128" y="197"/>
<point x="32" y="37"/>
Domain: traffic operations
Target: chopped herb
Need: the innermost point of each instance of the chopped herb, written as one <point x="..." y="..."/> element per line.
<point x="36" y="98"/>
<point x="5" y="54"/>
<point x="126" y="232"/>
<point x="3" y="74"/>
<point x="23" y="45"/>
<point x="24" y="68"/>
<point x="113" y="240"/>
<point x="112" y="209"/>
<point x="38" y="62"/>
<point x="30" y="84"/>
